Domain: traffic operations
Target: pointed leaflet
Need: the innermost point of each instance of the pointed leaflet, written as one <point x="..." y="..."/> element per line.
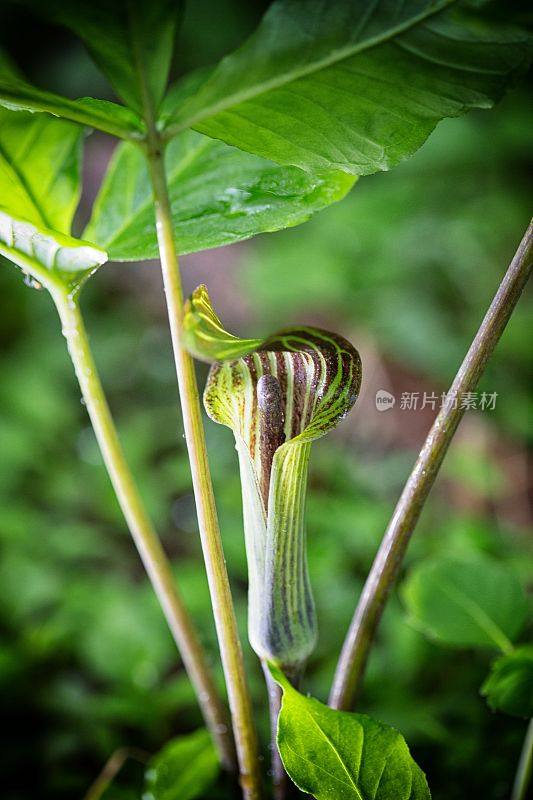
<point x="219" y="195"/>
<point x="350" y="85"/>
<point x="132" y="41"/>
<point x="277" y="396"/>
<point x="39" y="192"/>
<point x="334" y="755"/>
<point x="17" y="94"/>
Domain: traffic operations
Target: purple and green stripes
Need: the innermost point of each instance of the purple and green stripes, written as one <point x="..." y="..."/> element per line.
<point x="277" y="396"/>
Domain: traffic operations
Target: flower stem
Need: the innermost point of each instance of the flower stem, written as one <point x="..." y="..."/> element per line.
<point x="352" y="661"/>
<point x="525" y="766"/>
<point x="226" y="625"/>
<point x="282" y="786"/>
<point x="146" y="540"/>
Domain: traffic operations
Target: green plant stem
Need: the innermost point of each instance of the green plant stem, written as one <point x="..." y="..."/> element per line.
<point x="353" y="658"/>
<point x="525" y="766"/>
<point x="226" y="625"/>
<point x="282" y="786"/>
<point x="146" y="540"/>
<point x="280" y="779"/>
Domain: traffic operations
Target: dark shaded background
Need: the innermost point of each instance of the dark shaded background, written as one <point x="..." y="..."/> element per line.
<point x="405" y="268"/>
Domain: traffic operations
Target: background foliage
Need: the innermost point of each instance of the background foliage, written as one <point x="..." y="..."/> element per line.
<point x="404" y="268"/>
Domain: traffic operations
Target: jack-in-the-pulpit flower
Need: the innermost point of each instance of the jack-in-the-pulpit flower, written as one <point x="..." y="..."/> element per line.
<point x="277" y="395"/>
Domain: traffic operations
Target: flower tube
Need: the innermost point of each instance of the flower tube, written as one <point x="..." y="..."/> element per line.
<point x="277" y="395"/>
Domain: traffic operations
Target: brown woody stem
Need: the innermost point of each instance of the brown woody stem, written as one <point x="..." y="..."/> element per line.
<point x="354" y="655"/>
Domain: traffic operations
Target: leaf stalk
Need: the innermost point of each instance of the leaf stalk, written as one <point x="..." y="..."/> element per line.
<point x="146" y="540"/>
<point x="224" y="614"/>
<point x="384" y="571"/>
<point x="282" y="786"/>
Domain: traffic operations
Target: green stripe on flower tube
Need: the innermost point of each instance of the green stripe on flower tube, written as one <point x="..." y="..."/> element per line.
<point x="277" y="395"/>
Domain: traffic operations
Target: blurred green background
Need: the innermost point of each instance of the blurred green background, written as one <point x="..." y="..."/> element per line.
<point x="405" y="267"/>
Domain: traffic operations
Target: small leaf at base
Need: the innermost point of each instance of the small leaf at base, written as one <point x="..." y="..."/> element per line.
<point x="335" y="755"/>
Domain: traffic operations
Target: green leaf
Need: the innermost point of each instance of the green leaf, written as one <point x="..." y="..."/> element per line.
<point x="466" y="603"/>
<point x="132" y="42"/>
<point x="39" y="190"/>
<point x="509" y="686"/>
<point x="277" y="395"/>
<point x="16" y="94"/>
<point x="350" y="85"/>
<point x="183" y="770"/>
<point x="53" y="259"/>
<point x="335" y="755"/>
<point x="219" y="195"/>
<point x="40" y="161"/>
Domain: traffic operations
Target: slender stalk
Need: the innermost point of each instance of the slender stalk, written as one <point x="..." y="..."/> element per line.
<point x="146" y="540"/>
<point x="282" y="786"/>
<point x="226" y="625"/>
<point x="111" y="769"/>
<point x="525" y="766"/>
<point x="357" y="644"/>
<point x="280" y="779"/>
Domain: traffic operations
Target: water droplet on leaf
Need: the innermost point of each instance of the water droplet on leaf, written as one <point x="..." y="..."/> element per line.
<point x="31" y="282"/>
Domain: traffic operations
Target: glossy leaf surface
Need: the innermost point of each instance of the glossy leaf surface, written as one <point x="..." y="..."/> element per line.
<point x="350" y="85"/>
<point x="335" y="755"/>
